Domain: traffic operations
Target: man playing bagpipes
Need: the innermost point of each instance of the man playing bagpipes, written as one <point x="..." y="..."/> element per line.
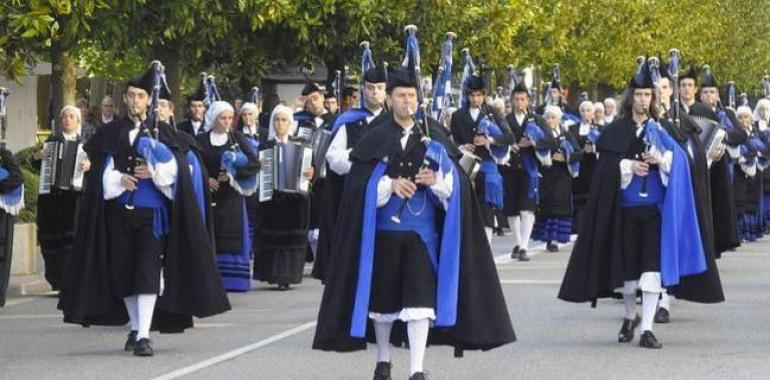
<point x="347" y="130"/>
<point x="482" y="131"/>
<point x="412" y="233"/>
<point x="142" y="241"/>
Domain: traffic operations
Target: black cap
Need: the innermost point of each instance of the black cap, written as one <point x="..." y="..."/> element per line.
<point x="375" y="75"/>
<point x="475" y="83"/>
<point x="708" y="79"/>
<point x="642" y="77"/>
<point x="521" y="87"/>
<point x="400" y="78"/>
<point x="200" y="93"/>
<point x="691" y="73"/>
<point x="143" y="81"/>
<point x="310" y="87"/>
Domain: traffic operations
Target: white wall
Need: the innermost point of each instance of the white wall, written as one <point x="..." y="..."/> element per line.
<point x="22" y="112"/>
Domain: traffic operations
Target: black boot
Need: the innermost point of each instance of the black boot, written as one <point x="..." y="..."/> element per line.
<point x="648" y="340"/>
<point x="418" y="376"/>
<point x="662" y="315"/>
<point x="523" y="255"/>
<point x="552" y="247"/>
<point x="131" y="341"/>
<point x="382" y="371"/>
<point x="143" y="348"/>
<point x="626" y="333"/>
<point x="515" y="253"/>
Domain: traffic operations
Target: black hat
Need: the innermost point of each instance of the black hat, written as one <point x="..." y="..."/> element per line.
<point x="642" y="77"/>
<point x="521" y="87"/>
<point x="708" y="77"/>
<point x="375" y="75"/>
<point x="475" y="83"/>
<point x="400" y="78"/>
<point x="200" y="93"/>
<point x="310" y="87"/>
<point x="664" y="70"/>
<point x="691" y="73"/>
<point x="146" y="80"/>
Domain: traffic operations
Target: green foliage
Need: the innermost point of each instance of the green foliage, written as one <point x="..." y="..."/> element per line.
<point x="31" y="184"/>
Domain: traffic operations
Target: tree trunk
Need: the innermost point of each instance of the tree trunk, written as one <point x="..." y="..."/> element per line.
<point x="63" y="71"/>
<point x="170" y="59"/>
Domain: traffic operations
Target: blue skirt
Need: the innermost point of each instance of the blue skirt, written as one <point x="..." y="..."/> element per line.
<point x="556" y="229"/>
<point x="748" y="227"/>
<point x="235" y="268"/>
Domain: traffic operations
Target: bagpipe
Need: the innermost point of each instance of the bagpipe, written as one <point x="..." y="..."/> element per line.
<point x="436" y="158"/>
<point x="442" y="89"/>
<point x="233" y="158"/>
<point x="148" y="148"/>
<point x="12" y="201"/>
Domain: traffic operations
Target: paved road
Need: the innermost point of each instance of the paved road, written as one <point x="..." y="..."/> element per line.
<point x="268" y="336"/>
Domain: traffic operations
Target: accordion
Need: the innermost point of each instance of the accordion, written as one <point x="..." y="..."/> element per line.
<point x="319" y="142"/>
<point x="469" y="162"/>
<point x="283" y="168"/>
<point x="712" y="134"/>
<point x="61" y="170"/>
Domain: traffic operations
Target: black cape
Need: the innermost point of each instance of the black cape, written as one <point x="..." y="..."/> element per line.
<point x="705" y="287"/>
<point x="595" y="269"/>
<point x="482" y="317"/>
<point x="332" y="198"/>
<point x="14" y="180"/>
<point x="192" y="284"/>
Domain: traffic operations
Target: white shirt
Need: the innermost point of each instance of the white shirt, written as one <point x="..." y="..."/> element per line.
<point x="584" y="129"/>
<point x="196" y="126"/>
<point x="107" y="120"/>
<point x="520" y="118"/>
<point x="70" y="136"/>
<point x="474" y="113"/>
<point x="338" y="155"/>
<point x="163" y="174"/>
<point x="442" y="188"/>
<point x="665" y="159"/>
<point x="218" y="138"/>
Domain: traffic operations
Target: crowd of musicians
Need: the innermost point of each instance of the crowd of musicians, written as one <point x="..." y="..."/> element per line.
<point x="395" y="192"/>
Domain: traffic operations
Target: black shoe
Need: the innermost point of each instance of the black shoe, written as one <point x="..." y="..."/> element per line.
<point x="626" y="333"/>
<point x="131" y="341"/>
<point x="418" y="376"/>
<point x="382" y="371"/>
<point x="648" y="340"/>
<point x="499" y="231"/>
<point x="662" y="315"/>
<point x="523" y="255"/>
<point x="515" y="253"/>
<point x="143" y="348"/>
<point x="283" y="287"/>
<point x="551" y="247"/>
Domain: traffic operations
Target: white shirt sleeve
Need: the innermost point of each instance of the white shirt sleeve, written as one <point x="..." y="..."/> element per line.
<point x="338" y="154"/>
<point x="626" y="173"/>
<point x="111" y="184"/>
<point x="164" y="176"/>
<point x="384" y="190"/>
<point x="443" y="186"/>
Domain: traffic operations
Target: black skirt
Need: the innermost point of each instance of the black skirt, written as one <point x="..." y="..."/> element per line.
<point x="56" y="214"/>
<point x="641" y="241"/>
<point x="403" y="274"/>
<point x="283" y="234"/>
<point x="555" y="191"/>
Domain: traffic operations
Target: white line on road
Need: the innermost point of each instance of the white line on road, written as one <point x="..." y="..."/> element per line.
<point x="530" y="282"/>
<point x="235" y="353"/>
<point x="39" y="316"/>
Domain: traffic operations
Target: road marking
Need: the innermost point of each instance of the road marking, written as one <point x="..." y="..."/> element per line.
<point x="235" y="353"/>
<point x="41" y="316"/>
<point x="20" y="301"/>
<point x="530" y="282"/>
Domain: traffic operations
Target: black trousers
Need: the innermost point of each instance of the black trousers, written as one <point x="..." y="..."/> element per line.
<point x="403" y="274"/>
<point x="641" y="241"/>
<point x="135" y="253"/>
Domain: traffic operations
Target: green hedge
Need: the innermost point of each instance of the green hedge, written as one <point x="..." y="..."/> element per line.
<point x="31" y="184"/>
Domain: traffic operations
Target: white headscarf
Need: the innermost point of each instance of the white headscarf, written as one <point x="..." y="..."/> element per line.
<point x="213" y="112"/>
<point x="554" y="110"/>
<point x="743" y="109"/>
<point x="250" y="106"/>
<point x="761" y="103"/>
<point x="78" y="114"/>
<point x="289" y="114"/>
